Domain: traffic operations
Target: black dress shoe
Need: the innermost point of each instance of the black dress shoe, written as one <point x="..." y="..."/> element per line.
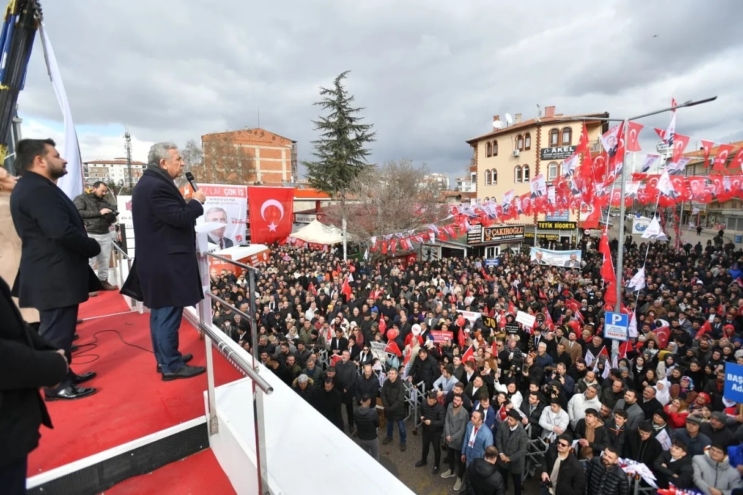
<point x="74" y="348"/>
<point x="70" y="393"/>
<point x="78" y="379"/>
<point x="186" y="358"/>
<point x="186" y="371"/>
<point x="420" y="463"/>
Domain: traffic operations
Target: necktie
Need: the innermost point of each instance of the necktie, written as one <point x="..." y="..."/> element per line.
<point x="221" y="243"/>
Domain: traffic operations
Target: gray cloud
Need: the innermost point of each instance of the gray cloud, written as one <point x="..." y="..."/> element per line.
<point x="430" y="74"/>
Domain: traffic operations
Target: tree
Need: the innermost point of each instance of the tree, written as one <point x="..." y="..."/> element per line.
<point x="391" y="199"/>
<point x="341" y="151"/>
<point x="193" y="157"/>
<point x="222" y="161"/>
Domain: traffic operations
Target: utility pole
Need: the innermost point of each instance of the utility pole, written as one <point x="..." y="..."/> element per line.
<point x="128" y="147"/>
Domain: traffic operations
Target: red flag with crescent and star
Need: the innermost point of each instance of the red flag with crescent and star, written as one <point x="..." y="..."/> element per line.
<point x="271" y="213"/>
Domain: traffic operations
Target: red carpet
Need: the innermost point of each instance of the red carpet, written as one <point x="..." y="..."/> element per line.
<point x="132" y="400"/>
<point x="199" y="474"/>
<point x="105" y="303"/>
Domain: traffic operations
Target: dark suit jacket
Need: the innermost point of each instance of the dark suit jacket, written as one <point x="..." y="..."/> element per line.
<point x="227" y="241"/>
<point x="54" y="271"/>
<point x="27" y="362"/>
<point x="167" y="267"/>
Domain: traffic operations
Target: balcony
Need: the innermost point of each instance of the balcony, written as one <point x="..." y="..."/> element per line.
<point x="217" y="433"/>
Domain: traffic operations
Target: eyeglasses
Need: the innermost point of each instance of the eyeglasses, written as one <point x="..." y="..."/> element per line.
<point x="562" y="444"/>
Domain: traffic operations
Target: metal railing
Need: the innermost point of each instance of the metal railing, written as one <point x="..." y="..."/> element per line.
<point x="215" y="337"/>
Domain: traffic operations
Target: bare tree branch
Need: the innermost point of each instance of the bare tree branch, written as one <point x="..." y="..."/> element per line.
<point x="225" y="162"/>
<point x="390" y="199"/>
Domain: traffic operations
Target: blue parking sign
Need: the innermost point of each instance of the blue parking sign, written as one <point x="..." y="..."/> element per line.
<point x="734" y="382"/>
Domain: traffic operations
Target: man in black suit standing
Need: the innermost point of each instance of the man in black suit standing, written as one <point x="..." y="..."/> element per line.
<point x="166" y="264"/>
<point x="55" y="275"/>
<point x="27" y="362"/>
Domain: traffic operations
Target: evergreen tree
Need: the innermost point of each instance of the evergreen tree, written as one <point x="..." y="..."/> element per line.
<point x="340" y="152"/>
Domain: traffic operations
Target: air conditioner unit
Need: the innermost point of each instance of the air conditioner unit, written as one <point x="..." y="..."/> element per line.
<point x="516" y="152"/>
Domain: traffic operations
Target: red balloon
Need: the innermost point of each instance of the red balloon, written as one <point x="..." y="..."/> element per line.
<point x="352" y="269"/>
<point x="392" y="334"/>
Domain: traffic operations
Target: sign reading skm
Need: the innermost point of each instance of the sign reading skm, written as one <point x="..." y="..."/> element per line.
<point x="733" y="382"/>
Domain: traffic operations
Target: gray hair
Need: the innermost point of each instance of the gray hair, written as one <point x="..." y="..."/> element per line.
<point x="159" y="151"/>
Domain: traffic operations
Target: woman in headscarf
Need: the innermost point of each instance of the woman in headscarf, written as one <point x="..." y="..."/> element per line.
<point x="684" y="390"/>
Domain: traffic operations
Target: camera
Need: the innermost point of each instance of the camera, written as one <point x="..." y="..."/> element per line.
<point x="547" y="484"/>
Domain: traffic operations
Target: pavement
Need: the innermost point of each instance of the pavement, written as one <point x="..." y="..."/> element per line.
<point x="687" y="234"/>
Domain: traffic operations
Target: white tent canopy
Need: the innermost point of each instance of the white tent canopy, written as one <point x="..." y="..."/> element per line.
<point x="319" y="233"/>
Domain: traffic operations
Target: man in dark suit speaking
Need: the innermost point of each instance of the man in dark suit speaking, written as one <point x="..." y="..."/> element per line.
<point x="27" y="362"/>
<point x="166" y="264"/>
<point x="54" y="276"/>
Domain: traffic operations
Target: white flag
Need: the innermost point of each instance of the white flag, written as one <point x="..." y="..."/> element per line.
<point x="654" y="231"/>
<point x="72" y="183"/>
<point x="638" y="281"/>
<point x="632" y="329"/>
<point x="665" y="186"/>
<point x="590" y="358"/>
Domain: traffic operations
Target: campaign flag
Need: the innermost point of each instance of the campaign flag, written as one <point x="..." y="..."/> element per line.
<point x="271" y="213"/>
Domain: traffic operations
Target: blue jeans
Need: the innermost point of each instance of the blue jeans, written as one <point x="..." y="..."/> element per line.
<point x="164" y="325"/>
<point x="401" y="427"/>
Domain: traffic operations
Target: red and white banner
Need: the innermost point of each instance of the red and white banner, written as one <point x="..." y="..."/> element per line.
<point x="228" y="205"/>
<point x="271" y="210"/>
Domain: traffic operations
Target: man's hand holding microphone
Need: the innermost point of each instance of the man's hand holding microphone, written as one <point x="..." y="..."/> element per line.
<point x="198" y="194"/>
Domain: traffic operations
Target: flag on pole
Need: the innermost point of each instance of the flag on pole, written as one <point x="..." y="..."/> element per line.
<point x="72" y="183"/>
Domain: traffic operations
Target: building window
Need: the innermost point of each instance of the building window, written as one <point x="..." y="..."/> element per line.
<point x="527" y="141"/>
<point x="555" y="137"/>
<point x="489" y="149"/>
<point x="517" y="174"/>
<point x="487" y="177"/>
<point x="526" y="173"/>
<point x="552" y="169"/>
<point x="567" y="136"/>
<point x="495" y="148"/>
<point x="520" y="142"/>
<point x="494" y="177"/>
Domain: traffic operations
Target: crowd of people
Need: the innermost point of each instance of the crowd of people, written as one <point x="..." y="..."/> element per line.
<point x="490" y="391"/>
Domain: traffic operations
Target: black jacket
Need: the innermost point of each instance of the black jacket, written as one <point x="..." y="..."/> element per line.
<point x="600" y="437"/>
<point x="426" y="371"/>
<point x="166" y="265"/>
<point x="393" y="400"/>
<point x="90" y="206"/>
<point x="367" y="422"/>
<point x="681" y="467"/>
<point x="605" y="481"/>
<point x="54" y="271"/>
<point x="329" y="405"/>
<point x="27" y="362"/>
<point x="367" y="386"/>
<point x="571" y="478"/>
<point x="436" y="414"/>
<point x="483" y="478"/>
<point x="646" y="452"/>
<point x="346" y="374"/>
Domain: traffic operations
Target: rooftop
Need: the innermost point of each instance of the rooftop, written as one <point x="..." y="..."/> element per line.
<point x="532" y="122"/>
<point x="115" y="161"/>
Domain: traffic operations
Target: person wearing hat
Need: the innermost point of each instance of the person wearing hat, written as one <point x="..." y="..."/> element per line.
<point x="512" y="441"/>
<point x="674" y="466"/>
<point x="695" y="441"/>
<point x="713" y="474"/>
<point x="717" y="431"/>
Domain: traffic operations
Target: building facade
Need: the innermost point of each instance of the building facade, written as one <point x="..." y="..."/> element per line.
<point x="727" y="215"/>
<point x="440" y="182"/>
<point x="248" y="156"/>
<point x="114" y="171"/>
<point x="508" y="158"/>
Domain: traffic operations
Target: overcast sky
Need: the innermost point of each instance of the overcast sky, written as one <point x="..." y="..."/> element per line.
<point x="430" y="74"/>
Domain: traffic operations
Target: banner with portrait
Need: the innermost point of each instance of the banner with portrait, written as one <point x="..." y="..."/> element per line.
<point x="228" y="205"/>
<point x="563" y="259"/>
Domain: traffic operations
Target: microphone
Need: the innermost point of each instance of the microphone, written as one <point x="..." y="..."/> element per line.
<point x="190" y="179"/>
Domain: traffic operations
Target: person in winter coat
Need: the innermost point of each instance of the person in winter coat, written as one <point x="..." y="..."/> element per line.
<point x="635" y="414"/>
<point x="483" y="477"/>
<point x="425" y="369"/>
<point x="367" y="384"/>
<point x="570" y="477"/>
<point x="304" y="386"/>
<point x="346" y="375"/>
<point x="617" y="430"/>
<point x="641" y="446"/>
<point x="532" y="409"/>
<point x="367" y="422"/>
<point x="580" y="402"/>
<point x="713" y="474"/>
<point x="674" y="466"/>
<point x="393" y="400"/>
<point x="455" y="425"/>
<point x="477" y="437"/>
<point x="328" y="402"/>
<point x="512" y="442"/>
<point x="554" y="421"/>
<point x="696" y="441"/>
<point x="432" y="419"/>
<point x="604" y="476"/>
<point x="592" y="435"/>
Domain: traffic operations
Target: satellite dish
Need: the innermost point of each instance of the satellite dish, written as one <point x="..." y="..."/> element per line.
<point x="509" y="119"/>
<point x="498" y="124"/>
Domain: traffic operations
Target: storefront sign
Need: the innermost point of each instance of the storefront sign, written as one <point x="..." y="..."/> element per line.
<point x="557" y="225"/>
<point x="546" y="237"/>
<point x="504" y="233"/>
<point x="557" y="152"/>
<point x="558" y="216"/>
<point x="474" y="235"/>
<point x="304" y="217"/>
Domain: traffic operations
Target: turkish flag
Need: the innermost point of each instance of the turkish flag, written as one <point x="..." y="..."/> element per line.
<point x="632" y="133"/>
<point x="271" y="212"/>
